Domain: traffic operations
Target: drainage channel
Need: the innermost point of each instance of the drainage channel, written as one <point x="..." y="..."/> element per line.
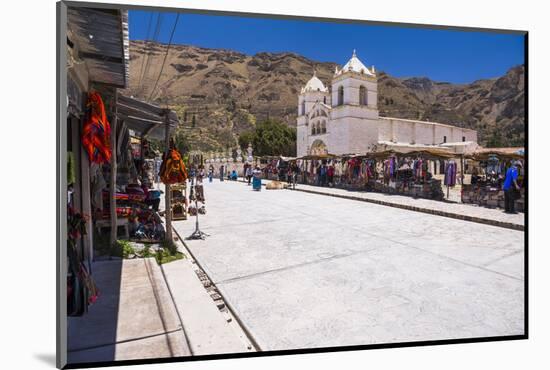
<point x="225" y="309"/>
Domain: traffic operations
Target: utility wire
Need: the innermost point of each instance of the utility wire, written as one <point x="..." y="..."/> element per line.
<point x="158" y="26"/>
<point x="165" y="56"/>
<point x="148" y="36"/>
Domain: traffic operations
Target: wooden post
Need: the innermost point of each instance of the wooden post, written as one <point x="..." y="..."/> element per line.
<point x="112" y="183"/>
<point x="167" y="194"/>
<point x="86" y="203"/>
<point x="461" y="176"/>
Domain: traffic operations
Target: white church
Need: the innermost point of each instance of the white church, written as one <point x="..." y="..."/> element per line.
<point x="345" y="119"/>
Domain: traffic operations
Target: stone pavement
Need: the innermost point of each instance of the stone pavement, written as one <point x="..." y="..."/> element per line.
<point x="467" y="212"/>
<point x="133" y="318"/>
<point x="304" y="270"/>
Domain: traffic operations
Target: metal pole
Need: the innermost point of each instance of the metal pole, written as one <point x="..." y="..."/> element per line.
<point x="112" y="186"/>
<point x="167" y="194"/>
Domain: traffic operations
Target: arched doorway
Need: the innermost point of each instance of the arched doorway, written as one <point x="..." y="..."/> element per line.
<point x="318" y="148"/>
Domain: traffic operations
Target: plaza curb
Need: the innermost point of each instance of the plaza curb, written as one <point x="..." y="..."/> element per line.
<point x="486" y="221"/>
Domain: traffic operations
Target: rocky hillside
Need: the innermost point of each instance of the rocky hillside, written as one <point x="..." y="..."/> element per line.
<point x="220" y="93"/>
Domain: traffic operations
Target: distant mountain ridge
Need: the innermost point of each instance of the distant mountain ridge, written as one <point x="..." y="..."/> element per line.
<point x="227" y="92"/>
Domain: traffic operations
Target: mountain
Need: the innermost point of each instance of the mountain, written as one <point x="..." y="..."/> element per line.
<point x="220" y="93"/>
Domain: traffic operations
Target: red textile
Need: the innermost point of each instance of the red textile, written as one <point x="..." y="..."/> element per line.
<point x="96" y="134"/>
<point x="173" y="169"/>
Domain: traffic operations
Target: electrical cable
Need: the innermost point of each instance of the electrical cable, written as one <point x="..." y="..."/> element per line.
<point x="147" y="37"/>
<point x="165" y="56"/>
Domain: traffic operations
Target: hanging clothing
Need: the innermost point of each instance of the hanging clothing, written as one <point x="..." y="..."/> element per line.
<point x="96" y="134"/>
<point x="450" y="174"/>
<point x="173" y="169"/>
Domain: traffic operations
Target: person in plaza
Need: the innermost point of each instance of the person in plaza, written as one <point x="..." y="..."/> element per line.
<point x="511" y="188"/>
<point x="257" y="179"/>
<point x="295" y="173"/>
<point x="248" y="173"/>
<point x="330" y="175"/>
<point x="210" y="173"/>
<point x="222" y="172"/>
<point x="323" y="174"/>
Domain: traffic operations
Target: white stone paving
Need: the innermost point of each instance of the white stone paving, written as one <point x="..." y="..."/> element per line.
<point x="303" y="270"/>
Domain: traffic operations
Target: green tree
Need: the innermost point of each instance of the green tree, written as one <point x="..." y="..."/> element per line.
<point x="270" y="137"/>
<point x="182" y="142"/>
<point x="495" y="139"/>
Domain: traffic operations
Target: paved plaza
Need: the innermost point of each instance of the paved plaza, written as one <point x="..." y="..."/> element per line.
<point x="305" y="270"/>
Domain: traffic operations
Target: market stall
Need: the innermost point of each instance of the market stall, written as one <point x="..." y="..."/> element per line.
<point x="488" y="168"/>
<point x="406" y="171"/>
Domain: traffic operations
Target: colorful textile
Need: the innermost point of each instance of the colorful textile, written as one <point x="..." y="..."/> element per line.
<point x="172" y="170"/>
<point x="450" y="174"/>
<point x="96" y="134"/>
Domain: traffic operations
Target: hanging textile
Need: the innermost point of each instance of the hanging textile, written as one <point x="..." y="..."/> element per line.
<point x="450" y="174"/>
<point x="173" y="170"/>
<point x="97" y="131"/>
<point x="81" y="289"/>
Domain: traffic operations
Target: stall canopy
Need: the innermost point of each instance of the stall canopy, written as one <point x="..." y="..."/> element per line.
<point x="318" y="156"/>
<point x="147" y="119"/>
<point x="103" y="44"/>
<point x="507" y="153"/>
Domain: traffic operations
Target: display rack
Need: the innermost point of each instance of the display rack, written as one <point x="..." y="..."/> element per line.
<point x="179" y="203"/>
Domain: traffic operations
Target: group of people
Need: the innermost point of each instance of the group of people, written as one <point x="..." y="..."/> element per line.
<point x="325" y="174"/>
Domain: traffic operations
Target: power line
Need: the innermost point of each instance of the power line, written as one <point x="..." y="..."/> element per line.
<point x="158" y="26"/>
<point x="148" y="36"/>
<point x="165" y="56"/>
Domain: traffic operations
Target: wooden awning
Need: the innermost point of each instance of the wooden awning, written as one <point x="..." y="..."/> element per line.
<point x="144" y="118"/>
<point x="100" y="39"/>
<point x="483" y="154"/>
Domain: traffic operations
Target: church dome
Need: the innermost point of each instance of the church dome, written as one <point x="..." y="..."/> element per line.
<point x="314" y="84"/>
<point x="355" y="65"/>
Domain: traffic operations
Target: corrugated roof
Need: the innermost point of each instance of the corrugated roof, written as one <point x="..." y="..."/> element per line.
<point x="145" y="118"/>
<point x="101" y="38"/>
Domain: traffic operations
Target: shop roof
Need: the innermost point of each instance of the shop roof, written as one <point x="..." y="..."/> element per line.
<point x="145" y="118"/>
<point x="100" y="37"/>
<point x="509" y="152"/>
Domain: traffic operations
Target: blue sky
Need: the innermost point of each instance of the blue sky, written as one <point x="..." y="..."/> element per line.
<point x="442" y="55"/>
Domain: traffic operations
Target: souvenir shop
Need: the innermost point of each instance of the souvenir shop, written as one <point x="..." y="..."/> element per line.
<point x="92" y="86"/>
<point x="406" y="173"/>
<point x="487" y="169"/>
<point x="113" y="189"/>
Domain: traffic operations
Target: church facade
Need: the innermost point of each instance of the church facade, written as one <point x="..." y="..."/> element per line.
<point x="344" y="119"/>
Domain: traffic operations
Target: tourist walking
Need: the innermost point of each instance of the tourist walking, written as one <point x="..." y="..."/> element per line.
<point x="511" y="188"/>
<point x="248" y="173"/>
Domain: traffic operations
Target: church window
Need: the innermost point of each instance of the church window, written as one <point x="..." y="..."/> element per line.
<point x="324" y="99"/>
<point x="313" y="129"/>
<point x="323" y="127"/>
<point x="303" y="107"/>
<point x="463" y="138"/>
<point x="318" y="129"/>
<point x="341" y="95"/>
<point x="444" y="139"/>
<point x="362" y="95"/>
